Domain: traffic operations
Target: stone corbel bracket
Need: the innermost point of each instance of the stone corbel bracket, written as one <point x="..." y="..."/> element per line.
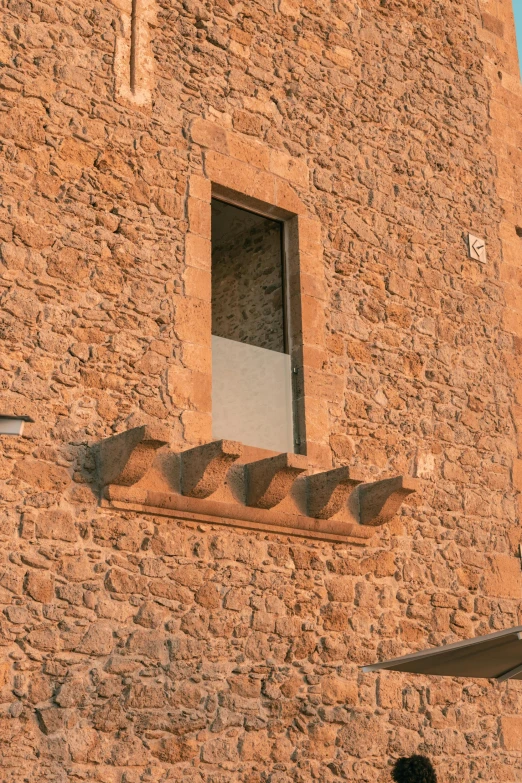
<point x="379" y="502"/>
<point x="124" y="459"/>
<point x="270" y="480"/>
<point x="204" y="469"/>
<point x="327" y="493"/>
<point x="275" y="494"/>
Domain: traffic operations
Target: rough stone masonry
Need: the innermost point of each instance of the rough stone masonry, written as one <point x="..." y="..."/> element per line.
<point x="136" y="649"/>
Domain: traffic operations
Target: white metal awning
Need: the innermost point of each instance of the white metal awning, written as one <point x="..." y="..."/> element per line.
<point x="495" y="656"/>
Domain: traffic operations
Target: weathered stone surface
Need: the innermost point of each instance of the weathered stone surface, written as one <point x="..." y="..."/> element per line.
<point x="119" y="581"/>
<point x="139" y="649"/>
<point x="40" y="586"/>
<point x="98" y="640"/>
<point x="511" y="728"/>
<point x="219" y="751"/>
<point x="57" y="525"/>
<point x="172" y="751"/>
<point x="51" y="719"/>
<point x="151" y="644"/>
<point x="41" y="475"/>
<point x="336" y="690"/>
<point x="363" y="735"/>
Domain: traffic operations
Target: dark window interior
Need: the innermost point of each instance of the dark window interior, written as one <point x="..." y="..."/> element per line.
<point x="247" y="278"/>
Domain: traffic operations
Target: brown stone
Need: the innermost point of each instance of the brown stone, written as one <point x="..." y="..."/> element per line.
<point x="151" y="644"/>
<point x="336" y="690"/>
<point x="362" y="735"/>
<point x="109" y="717"/>
<point x="40" y="586"/>
<point x="322" y="740"/>
<point x="493" y="24"/>
<point x="51" y="719"/>
<point x="5" y="673"/>
<point x="119" y="581"/>
<point x="255" y="746"/>
<point x="146" y="639"/>
<point x="39" y="690"/>
<point x="173" y="751"/>
<point x="219" y="751"/>
<point x="245" y="686"/>
<point x="42" y="475"/>
<point x="504" y="578"/>
<point x="56" y="525"/>
<point x="150" y="615"/>
<point x="45" y="639"/>
<point x="98" y="640"/>
<point x="340" y="588"/>
<point x="335" y="617"/>
<point x="76" y="569"/>
<point x="208" y="596"/>
<point x="511" y="728"/>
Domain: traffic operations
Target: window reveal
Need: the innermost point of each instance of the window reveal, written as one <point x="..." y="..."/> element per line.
<point x="252" y="373"/>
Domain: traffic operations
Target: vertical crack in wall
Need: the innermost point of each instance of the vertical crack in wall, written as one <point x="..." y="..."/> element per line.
<point x="133" y="57"/>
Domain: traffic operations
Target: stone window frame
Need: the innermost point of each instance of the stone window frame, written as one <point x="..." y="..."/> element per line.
<point x="197" y="481"/>
<point x="291" y="293"/>
<point x="268" y="188"/>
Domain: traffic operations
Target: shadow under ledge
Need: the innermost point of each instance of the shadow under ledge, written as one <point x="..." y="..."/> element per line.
<point x="227" y="483"/>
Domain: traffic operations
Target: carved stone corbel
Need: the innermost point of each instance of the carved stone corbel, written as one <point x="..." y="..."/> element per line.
<point x="204" y="468"/>
<point x="268" y="481"/>
<point x="203" y="485"/>
<point x="327" y="493"/>
<point x="125" y="458"/>
<point x="380" y="501"/>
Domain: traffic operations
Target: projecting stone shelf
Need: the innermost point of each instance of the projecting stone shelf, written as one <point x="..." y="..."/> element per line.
<point x="226" y="483"/>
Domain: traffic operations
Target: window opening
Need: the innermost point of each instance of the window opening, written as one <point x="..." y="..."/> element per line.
<point x="252" y="397"/>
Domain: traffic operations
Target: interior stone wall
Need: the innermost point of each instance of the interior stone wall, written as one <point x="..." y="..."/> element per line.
<point x="136" y="649"/>
<point x="247" y="287"/>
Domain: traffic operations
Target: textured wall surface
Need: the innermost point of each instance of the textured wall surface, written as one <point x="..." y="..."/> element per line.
<point x="141" y="650"/>
<point x="247" y="287"/>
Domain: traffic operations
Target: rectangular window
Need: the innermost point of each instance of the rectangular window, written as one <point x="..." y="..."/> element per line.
<point x="252" y="396"/>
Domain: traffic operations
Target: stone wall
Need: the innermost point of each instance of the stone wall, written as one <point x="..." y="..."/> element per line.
<point x="247" y="287"/>
<point x="136" y="648"/>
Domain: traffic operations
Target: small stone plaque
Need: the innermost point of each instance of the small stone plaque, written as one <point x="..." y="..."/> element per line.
<point x="477" y="249"/>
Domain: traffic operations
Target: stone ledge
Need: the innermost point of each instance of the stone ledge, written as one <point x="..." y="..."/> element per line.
<point x="226" y="483"/>
<point x="176" y="506"/>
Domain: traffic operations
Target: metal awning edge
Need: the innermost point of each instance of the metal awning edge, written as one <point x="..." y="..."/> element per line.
<point x="433" y="651"/>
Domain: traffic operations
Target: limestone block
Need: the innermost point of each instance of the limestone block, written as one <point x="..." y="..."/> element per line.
<point x="269" y="480"/>
<point x="328" y="492"/>
<point x="40" y="586"/>
<point x="511" y="728"/>
<point x="98" y="640"/>
<point x="380" y="501"/>
<point x="204" y="468"/>
<point x="125" y="458"/>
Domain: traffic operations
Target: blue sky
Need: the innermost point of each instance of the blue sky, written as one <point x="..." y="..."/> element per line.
<point x="517" y="5"/>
